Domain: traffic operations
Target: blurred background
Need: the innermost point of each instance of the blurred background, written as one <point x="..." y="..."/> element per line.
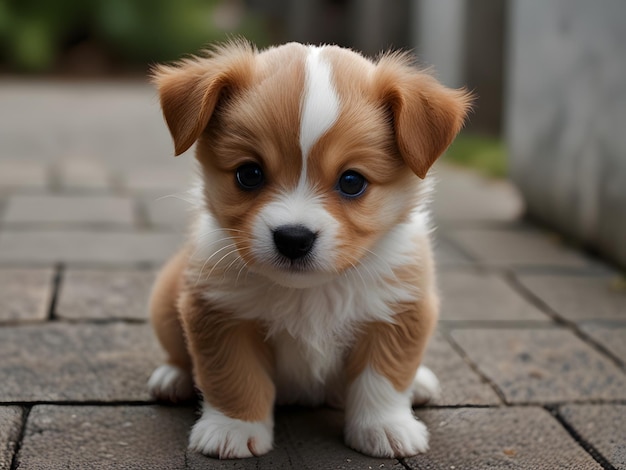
<point x="549" y="78"/>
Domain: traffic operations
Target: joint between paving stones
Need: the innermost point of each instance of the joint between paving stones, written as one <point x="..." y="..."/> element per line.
<point x="140" y="212"/>
<point x="460" y="248"/>
<point x="514" y="282"/>
<point x="20" y="438"/>
<point x="589" y="448"/>
<point x="57" y="280"/>
<point x="101" y="403"/>
<point x="448" y="337"/>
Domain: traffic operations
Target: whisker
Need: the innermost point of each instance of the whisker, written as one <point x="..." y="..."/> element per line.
<point x="219" y="261"/>
<point x="176" y="196"/>
<point x="210" y="257"/>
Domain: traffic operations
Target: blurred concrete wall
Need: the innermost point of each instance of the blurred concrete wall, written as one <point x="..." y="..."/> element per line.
<point x="464" y="40"/>
<point x="566" y="120"/>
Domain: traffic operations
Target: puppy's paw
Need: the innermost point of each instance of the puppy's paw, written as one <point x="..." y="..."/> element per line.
<point x="398" y="436"/>
<point x="217" y="435"/>
<point x="425" y="386"/>
<point x="171" y="383"/>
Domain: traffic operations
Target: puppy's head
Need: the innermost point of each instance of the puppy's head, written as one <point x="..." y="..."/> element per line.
<point x="310" y="155"/>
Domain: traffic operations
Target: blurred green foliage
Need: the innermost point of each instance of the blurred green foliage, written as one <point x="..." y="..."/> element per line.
<point x="34" y="34"/>
<point x="484" y="153"/>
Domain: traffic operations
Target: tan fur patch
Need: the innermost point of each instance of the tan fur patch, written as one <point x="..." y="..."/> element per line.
<point x="426" y="115"/>
<point x="190" y="89"/>
<point x="232" y="365"/>
<point x="164" y="312"/>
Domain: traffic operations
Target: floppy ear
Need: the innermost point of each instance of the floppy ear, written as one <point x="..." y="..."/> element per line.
<point x="426" y="115"/>
<point x="190" y="89"/>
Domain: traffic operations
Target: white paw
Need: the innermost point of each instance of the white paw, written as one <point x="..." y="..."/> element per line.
<point x="217" y="435"/>
<point x="171" y="383"/>
<point x="400" y="436"/>
<point x="425" y="386"/>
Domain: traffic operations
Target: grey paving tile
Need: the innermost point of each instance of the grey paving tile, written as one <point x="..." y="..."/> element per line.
<point x="16" y="174"/>
<point x="304" y="438"/>
<point x="602" y="426"/>
<point x="542" y="365"/>
<point x="460" y="385"/>
<point x="25" y="294"/>
<point x="447" y="255"/>
<point x="78" y="437"/>
<point x="10" y="427"/>
<point x="76" y="362"/>
<point x="75" y="210"/>
<point x="517" y="248"/>
<point x="464" y="196"/>
<point x="473" y="295"/>
<point x="612" y="337"/>
<point x="102" y="294"/>
<point x="91" y="437"/>
<point x="83" y="173"/>
<point x="82" y="246"/>
<point x="524" y="438"/>
<point x="579" y="297"/>
<point x="161" y="179"/>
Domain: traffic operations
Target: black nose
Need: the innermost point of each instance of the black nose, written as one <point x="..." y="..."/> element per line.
<point x="294" y="241"/>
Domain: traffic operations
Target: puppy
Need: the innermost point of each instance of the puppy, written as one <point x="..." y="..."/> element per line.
<point x="308" y="277"/>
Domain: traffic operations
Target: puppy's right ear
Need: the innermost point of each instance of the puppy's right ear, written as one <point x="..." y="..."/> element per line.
<point x="190" y="89"/>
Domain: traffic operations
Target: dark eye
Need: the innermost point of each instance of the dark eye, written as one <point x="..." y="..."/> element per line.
<point x="351" y="184"/>
<point x="249" y="176"/>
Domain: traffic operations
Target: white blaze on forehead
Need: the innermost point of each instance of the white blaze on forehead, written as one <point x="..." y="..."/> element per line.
<point x="320" y="103"/>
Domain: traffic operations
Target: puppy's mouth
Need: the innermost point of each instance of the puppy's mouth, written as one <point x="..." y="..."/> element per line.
<point x="299" y="273"/>
<point x="297" y="266"/>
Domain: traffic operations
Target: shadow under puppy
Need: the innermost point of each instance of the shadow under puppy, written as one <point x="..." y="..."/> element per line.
<point x="308" y="277"/>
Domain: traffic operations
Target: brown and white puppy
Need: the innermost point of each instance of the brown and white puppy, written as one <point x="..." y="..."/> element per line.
<point x="308" y="277"/>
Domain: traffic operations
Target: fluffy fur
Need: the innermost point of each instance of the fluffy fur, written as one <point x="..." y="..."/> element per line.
<point x="345" y="325"/>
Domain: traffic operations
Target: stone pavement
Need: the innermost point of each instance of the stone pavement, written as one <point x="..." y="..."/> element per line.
<point x="531" y="347"/>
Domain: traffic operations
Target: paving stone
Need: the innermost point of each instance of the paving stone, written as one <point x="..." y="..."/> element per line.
<point x="76" y="362"/>
<point x="304" y="438"/>
<point x="542" y="365"/>
<point x="517" y="248"/>
<point x="476" y="296"/>
<point x="579" y="297"/>
<point x="22" y="174"/>
<point x="83" y="173"/>
<point x="474" y="438"/>
<point x="69" y="210"/>
<point x="10" y="427"/>
<point x="460" y="385"/>
<point x="602" y="426"/>
<point x="465" y="196"/>
<point x="447" y="255"/>
<point x="162" y="179"/>
<point x="93" y="437"/>
<point x="25" y="294"/>
<point x="103" y="294"/>
<point x="82" y="246"/>
<point x="612" y="337"/>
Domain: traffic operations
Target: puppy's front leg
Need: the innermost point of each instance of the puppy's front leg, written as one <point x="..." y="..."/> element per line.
<point x="233" y="370"/>
<point x="382" y="372"/>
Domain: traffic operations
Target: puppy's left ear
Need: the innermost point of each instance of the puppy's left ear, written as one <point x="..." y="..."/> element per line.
<point x="191" y="89"/>
<point x="426" y="115"/>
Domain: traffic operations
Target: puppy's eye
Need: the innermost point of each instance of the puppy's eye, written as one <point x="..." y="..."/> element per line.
<point x="351" y="184"/>
<point x="249" y="176"/>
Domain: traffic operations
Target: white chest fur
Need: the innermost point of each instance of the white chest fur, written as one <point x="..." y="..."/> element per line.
<point x="312" y="329"/>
